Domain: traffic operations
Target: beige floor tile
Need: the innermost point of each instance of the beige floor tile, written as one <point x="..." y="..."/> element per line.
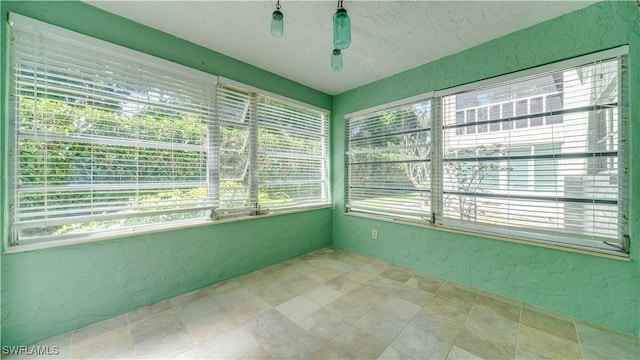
<point x="322" y="295"/>
<point x="457" y="293"/>
<point x="269" y="324"/>
<point x="391" y="353"/>
<point x="230" y="294"/>
<point x="485" y="344"/>
<point x="399" y="308"/>
<point x="205" y="328"/>
<point x="298" y="308"/>
<point x="425" y="282"/>
<point x="333" y="304"/>
<point x="356" y="343"/>
<point x="115" y="344"/>
<point x="348" y="308"/>
<point x="164" y="346"/>
<point x="275" y="293"/>
<point x="459" y="354"/>
<point x="375" y="266"/>
<point x="598" y="344"/>
<point x="441" y="315"/>
<point x="246" y="309"/>
<point x="423" y="344"/>
<point x="326" y="353"/>
<point x="224" y="286"/>
<point x="299" y="284"/>
<point x="232" y="344"/>
<point x="359" y="275"/>
<point x="324" y="325"/>
<point x="381" y="325"/>
<point x="304" y="267"/>
<point x="321" y="275"/>
<point x="368" y="296"/>
<point x="156" y="326"/>
<point x="343" y="284"/>
<point x="149" y="311"/>
<point x="533" y="343"/>
<point x="492" y="325"/>
<point x="382" y="283"/>
<point x="549" y="324"/>
<point x="292" y="343"/>
<point x="197" y="307"/>
<point x="190" y="296"/>
<point x="258" y="353"/>
<point x="499" y="307"/>
<point x="413" y="294"/>
<point x="398" y="274"/>
<point x="98" y="328"/>
<point x="273" y="268"/>
<point x="339" y="267"/>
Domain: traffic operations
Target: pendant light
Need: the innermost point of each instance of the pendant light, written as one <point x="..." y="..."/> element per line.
<point x="336" y="60"/>
<point x="277" y="22"/>
<point x="341" y="28"/>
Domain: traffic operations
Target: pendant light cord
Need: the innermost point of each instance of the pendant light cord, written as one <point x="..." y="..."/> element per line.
<point x="278" y="5"/>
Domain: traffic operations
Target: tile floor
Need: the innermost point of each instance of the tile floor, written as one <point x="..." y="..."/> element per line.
<point x="333" y="304"/>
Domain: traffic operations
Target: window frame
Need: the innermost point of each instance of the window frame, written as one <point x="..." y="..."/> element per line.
<point x="14" y="244"/>
<point x="539" y="238"/>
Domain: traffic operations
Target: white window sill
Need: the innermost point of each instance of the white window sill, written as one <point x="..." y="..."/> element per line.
<point x="568" y="247"/>
<point x="90" y="238"/>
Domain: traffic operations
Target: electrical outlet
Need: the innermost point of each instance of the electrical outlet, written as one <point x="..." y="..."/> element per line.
<point x="374" y="234"/>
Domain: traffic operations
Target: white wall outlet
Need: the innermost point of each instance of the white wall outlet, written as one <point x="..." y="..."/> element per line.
<point x="374" y="234"/>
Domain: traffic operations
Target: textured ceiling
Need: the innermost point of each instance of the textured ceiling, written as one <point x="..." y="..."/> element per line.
<point x="388" y="36"/>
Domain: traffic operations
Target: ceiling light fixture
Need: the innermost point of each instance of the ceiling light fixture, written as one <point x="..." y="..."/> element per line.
<point x="277" y="21"/>
<point x="341" y="28"/>
<point x="341" y="36"/>
<point x="336" y="60"/>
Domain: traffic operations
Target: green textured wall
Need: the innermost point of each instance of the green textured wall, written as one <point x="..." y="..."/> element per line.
<point x="596" y="289"/>
<point x="55" y="290"/>
<point x="47" y="292"/>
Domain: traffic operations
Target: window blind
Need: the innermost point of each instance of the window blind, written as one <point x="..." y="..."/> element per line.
<point x="234" y="112"/>
<point x="292" y="155"/>
<point x="274" y="155"/>
<point x="539" y="157"/>
<point x="389" y="162"/>
<point x="108" y="140"/>
<point x="105" y="138"/>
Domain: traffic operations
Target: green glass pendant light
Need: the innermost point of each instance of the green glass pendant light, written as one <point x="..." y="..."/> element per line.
<point x="341" y="28"/>
<point x="336" y="60"/>
<point x="277" y="22"/>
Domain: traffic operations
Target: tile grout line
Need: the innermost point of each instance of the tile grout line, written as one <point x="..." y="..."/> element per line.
<point x="515" y="350"/>
<point x="463" y="324"/>
<point x="575" y="327"/>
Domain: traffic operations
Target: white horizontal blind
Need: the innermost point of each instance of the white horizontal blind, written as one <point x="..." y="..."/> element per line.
<point x="234" y="110"/>
<point x="389" y="162"/>
<point x="292" y="154"/>
<point x="539" y="158"/>
<point x="104" y="140"/>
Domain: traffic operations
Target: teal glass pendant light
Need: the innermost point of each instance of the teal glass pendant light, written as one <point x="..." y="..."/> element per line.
<point x="277" y="22"/>
<point x="341" y="28"/>
<point x="336" y="60"/>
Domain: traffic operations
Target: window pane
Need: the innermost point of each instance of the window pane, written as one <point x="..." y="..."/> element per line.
<point x="551" y="175"/>
<point x="389" y="162"/>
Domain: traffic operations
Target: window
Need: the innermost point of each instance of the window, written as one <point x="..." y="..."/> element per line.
<point x="390" y="162"/>
<point x="537" y="157"/>
<point x="110" y="141"/>
<point x="286" y="144"/>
